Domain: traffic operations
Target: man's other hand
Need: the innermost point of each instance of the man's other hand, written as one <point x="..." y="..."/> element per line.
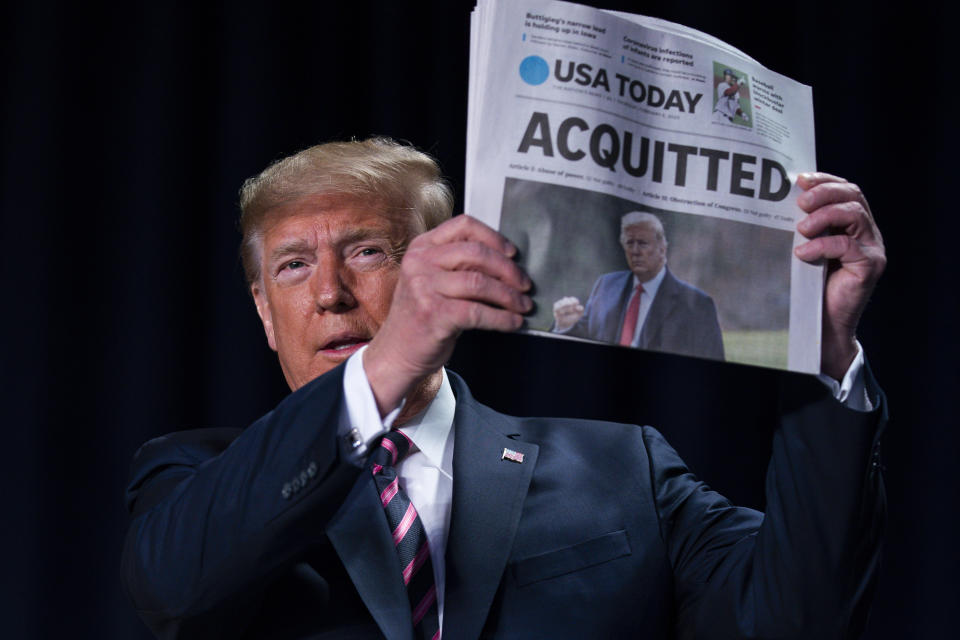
<point x="460" y="275"/>
<point x="843" y="232"/>
<point x="566" y="312"/>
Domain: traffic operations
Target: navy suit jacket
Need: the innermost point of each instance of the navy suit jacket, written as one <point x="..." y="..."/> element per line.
<point x="682" y="318"/>
<point x="601" y="531"/>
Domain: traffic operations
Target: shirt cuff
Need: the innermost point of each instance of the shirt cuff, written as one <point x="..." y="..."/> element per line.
<point x="853" y="391"/>
<point x="361" y="424"/>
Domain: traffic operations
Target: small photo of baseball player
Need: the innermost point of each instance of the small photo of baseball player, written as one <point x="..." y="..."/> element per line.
<point x="731" y="97"/>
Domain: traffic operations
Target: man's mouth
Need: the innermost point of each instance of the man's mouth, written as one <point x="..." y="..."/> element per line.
<point x="341" y="347"/>
<point x="344" y="345"/>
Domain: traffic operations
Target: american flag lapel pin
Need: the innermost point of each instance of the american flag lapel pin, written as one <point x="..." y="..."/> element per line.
<point x="511" y="455"/>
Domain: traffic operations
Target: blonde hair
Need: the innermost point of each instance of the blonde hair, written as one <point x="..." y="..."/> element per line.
<point x="376" y="169"/>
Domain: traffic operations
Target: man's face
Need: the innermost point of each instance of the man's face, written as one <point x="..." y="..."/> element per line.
<point x="645" y="253"/>
<point x="329" y="265"/>
<point x="728" y="78"/>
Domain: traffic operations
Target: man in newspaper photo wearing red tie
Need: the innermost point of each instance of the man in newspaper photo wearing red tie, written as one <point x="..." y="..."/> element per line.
<point x="644" y="306"/>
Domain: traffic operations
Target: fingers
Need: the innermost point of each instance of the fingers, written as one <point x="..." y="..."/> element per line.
<point x="866" y="261"/>
<point x="461" y="275"/>
<point x="471" y="315"/>
<point x="464" y="228"/>
<point x="840" y="225"/>
<point x="564" y="303"/>
<point x="811" y="179"/>
<point x="566" y="312"/>
<point x="479" y="287"/>
<point x="843" y="231"/>
<point x="829" y="192"/>
<point x="829" y="248"/>
<point x="432" y="309"/>
<point x="466" y="244"/>
<point x="848" y="216"/>
<point x="476" y="256"/>
<point x="835" y="206"/>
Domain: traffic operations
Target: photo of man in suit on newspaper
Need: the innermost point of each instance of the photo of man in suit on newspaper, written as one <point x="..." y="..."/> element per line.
<point x="644" y="306"/>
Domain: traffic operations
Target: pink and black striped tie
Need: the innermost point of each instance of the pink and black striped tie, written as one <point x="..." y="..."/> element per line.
<point x="408" y="536"/>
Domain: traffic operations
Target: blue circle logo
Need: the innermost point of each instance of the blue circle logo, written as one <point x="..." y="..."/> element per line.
<point x="534" y="70"/>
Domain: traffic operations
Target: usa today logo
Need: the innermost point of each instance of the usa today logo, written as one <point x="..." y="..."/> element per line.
<point x="534" y="70"/>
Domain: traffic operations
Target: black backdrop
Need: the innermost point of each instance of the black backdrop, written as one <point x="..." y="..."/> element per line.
<point x="126" y="131"/>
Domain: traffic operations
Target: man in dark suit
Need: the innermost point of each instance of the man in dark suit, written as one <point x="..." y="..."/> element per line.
<point x="525" y="527"/>
<point x="645" y="306"/>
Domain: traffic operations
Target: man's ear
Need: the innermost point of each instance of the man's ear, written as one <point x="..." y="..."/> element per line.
<point x="263" y="310"/>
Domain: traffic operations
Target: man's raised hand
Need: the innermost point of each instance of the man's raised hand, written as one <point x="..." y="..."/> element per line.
<point x="458" y="276"/>
<point x="566" y="312"/>
<point x="843" y="232"/>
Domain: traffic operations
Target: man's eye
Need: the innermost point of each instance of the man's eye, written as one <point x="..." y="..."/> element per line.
<point x="295" y="264"/>
<point x="369" y="251"/>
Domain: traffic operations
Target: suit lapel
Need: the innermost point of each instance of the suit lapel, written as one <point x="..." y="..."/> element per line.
<point x="488" y="497"/>
<point x="659" y="312"/>
<point x="359" y="533"/>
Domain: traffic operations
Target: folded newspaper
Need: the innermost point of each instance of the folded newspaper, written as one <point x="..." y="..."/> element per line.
<point x="647" y="174"/>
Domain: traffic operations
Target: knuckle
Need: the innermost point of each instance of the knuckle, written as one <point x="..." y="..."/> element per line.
<point x="880" y="260"/>
<point x="474" y="315"/>
<point x="419" y="242"/>
<point x="852" y="207"/>
<point x="474" y="282"/>
<point x="408" y="267"/>
<point x="413" y="258"/>
<point x="419" y="285"/>
<point x="475" y="251"/>
<point x="878" y="257"/>
<point x="414" y="281"/>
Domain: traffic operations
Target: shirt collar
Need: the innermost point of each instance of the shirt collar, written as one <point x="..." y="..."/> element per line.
<point x="430" y="430"/>
<point x="653" y="284"/>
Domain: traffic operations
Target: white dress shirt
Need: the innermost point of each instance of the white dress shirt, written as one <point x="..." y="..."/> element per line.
<point x="650" y="289"/>
<point x="426" y="474"/>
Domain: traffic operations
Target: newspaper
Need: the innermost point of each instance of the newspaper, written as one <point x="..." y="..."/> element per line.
<point x="615" y="150"/>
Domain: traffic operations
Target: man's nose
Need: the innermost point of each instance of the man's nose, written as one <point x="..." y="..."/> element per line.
<point x="331" y="288"/>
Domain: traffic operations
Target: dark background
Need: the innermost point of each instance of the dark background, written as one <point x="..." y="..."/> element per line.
<point x="127" y="130"/>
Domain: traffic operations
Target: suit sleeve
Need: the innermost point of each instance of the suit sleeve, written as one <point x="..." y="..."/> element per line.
<point x="808" y="568"/>
<point x="211" y="524"/>
<point x="711" y="338"/>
